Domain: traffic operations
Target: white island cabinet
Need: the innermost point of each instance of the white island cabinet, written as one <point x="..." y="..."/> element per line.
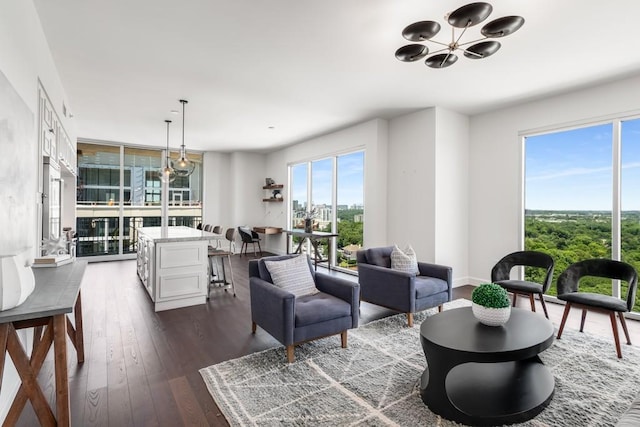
<point x="173" y="265"/>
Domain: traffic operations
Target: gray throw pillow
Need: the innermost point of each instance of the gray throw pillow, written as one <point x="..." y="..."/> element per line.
<point x="292" y="275"/>
<point x="406" y="261"/>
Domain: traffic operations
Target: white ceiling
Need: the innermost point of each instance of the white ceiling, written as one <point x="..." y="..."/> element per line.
<point x="309" y="67"/>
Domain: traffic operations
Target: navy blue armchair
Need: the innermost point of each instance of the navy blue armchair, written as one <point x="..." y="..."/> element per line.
<point x="293" y="320"/>
<point x="397" y="290"/>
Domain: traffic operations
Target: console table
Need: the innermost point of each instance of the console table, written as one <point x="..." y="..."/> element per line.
<point x="315" y="237"/>
<point x="486" y="375"/>
<point x="56" y="294"/>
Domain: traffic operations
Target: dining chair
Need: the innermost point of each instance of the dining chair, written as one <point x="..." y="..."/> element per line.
<point x="569" y="291"/>
<point x="500" y="274"/>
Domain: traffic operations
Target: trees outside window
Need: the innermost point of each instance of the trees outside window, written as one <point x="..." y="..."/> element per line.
<point x="582" y="198"/>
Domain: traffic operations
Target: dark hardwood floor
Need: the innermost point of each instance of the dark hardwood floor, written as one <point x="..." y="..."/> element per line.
<point x="141" y="367"/>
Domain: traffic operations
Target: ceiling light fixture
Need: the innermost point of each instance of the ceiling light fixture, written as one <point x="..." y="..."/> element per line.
<point x="167" y="174"/>
<point x="463" y="17"/>
<point x="183" y="166"/>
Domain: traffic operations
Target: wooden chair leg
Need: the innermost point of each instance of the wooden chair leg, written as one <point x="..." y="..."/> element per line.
<point x="253" y="327"/>
<point x="567" y="308"/>
<point x="290" y="355"/>
<point x="584" y="317"/>
<point x="440" y="308"/>
<point x="616" y="337"/>
<point x="532" y="302"/>
<point x="410" y="319"/>
<point x="343" y="339"/>
<point x="623" y="321"/>
<point x="544" y="306"/>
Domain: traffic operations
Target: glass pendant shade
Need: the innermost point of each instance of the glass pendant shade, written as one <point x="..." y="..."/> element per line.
<point x="183" y="166"/>
<point x="167" y="173"/>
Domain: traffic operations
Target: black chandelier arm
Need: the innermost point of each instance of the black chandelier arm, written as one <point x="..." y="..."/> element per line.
<point x="440" y="50"/>
<point x="472" y="41"/>
<point x="444" y="61"/>
<point x="440" y="43"/>
<point x="453" y="33"/>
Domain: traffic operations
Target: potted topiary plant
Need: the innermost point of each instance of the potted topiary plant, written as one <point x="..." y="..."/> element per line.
<point x="490" y="304"/>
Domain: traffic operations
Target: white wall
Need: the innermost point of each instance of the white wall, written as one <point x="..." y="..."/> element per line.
<point x="25" y="59"/>
<point x="428" y="187"/>
<point x="496" y="161"/>
<point x="233" y="190"/>
<point x="452" y="193"/>
<point x="412" y="183"/>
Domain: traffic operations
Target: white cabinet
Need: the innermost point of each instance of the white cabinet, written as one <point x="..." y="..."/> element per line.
<point x="145" y="263"/>
<point x="173" y="270"/>
<point x="54" y="141"/>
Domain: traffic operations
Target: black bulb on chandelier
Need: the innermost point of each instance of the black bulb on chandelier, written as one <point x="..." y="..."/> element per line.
<point x="463" y="18"/>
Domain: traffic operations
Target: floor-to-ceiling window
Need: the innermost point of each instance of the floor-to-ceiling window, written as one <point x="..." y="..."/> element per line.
<point x="571" y="197"/>
<point x="349" y="207"/>
<point x="630" y="196"/>
<point x="118" y="191"/>
<point x="331" y="190"/>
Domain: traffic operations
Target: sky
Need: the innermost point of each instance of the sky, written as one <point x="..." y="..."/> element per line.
<point x="350" y="180"/>
<point x="572" y="170"/>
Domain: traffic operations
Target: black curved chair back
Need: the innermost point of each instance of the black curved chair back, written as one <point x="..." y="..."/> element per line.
<point x="502" y="269"/>
<point x="569" y="280"/>
<point x="217" y="229"/>
<point x="245" y="234"/>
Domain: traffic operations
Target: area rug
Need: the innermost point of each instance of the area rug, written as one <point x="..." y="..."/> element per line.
<point x="375" y="381"/>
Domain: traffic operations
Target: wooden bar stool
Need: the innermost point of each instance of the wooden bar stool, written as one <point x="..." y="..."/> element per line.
<point x="218" y="256"/>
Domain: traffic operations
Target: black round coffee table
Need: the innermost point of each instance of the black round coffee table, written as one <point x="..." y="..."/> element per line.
<point x="486" y="375"/>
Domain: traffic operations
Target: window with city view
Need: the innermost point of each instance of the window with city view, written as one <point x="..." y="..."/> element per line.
<point x="118" y="191"/>
<point x="331" y="190"/>
<point x="570" y="198"/>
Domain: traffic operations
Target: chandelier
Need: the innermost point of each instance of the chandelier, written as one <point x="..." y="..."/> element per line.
<point x="463" y="18"/>
<point x="183" y="166"/>
<point x="167" y="173"/>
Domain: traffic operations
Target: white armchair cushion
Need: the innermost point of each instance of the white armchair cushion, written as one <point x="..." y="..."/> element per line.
<point x="406" y="261"/>
<point x="292" y="275"/>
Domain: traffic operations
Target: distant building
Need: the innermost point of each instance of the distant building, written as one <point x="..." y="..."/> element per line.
<point x="358" y="218"/>
<point x="349" y="251"/>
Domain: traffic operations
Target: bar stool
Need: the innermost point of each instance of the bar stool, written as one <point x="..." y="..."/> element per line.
<point x="221" y="282"/>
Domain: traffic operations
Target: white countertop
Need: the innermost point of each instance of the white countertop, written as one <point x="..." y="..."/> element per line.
<point x="177" y="234"/>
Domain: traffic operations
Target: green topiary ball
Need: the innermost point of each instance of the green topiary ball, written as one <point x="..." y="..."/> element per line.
<point x="490" y="295"/>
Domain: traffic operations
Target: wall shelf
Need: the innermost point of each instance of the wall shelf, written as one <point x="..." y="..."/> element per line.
<point x="272" y="197"/>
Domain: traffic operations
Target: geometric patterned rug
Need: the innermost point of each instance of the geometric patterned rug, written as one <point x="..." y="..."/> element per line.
<point x="375" y="381"/>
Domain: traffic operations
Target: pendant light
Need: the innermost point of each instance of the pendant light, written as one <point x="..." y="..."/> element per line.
<point x="183" y="166"/>
<point x="463" y="18"/>
<point x="167" y="174"/>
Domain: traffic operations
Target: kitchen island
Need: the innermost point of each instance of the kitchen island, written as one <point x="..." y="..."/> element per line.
<point x="173" y="265"/>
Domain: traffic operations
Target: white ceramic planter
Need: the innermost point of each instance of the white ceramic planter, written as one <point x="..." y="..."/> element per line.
<point x="491" y="316"/>
<point x="16" y="281"/>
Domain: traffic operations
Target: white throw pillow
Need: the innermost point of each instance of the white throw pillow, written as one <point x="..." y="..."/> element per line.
<point x="292" y="275"/>
<point x="406" y="261"/>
